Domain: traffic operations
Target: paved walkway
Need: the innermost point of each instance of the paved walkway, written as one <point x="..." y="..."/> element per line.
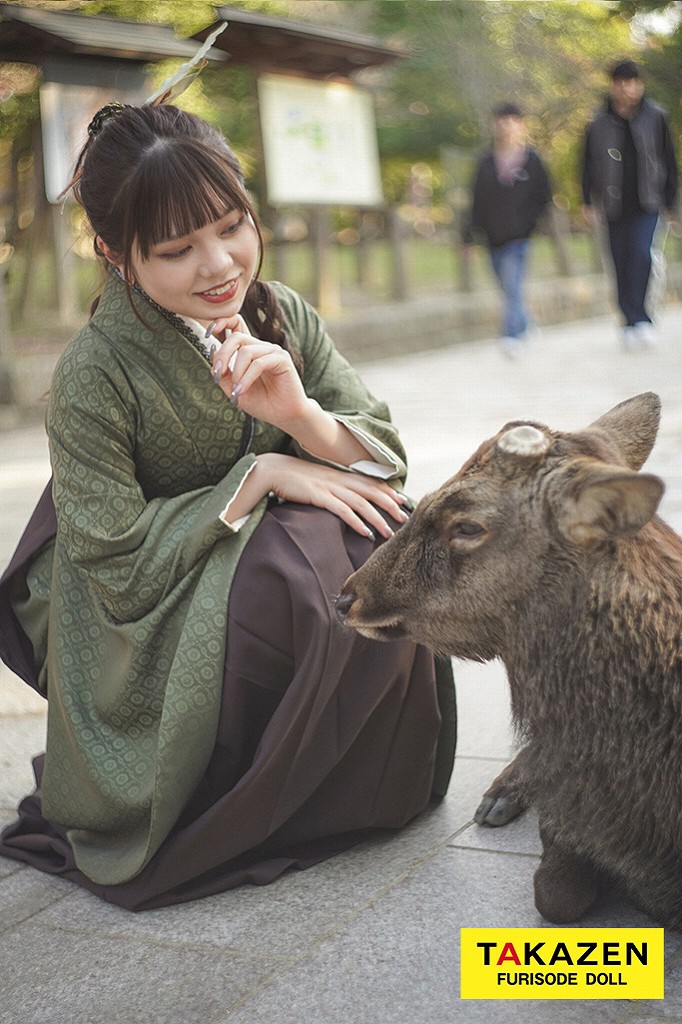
<point x="373" y="935"/>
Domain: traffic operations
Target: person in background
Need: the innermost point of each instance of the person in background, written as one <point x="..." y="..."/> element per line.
<point x="511" y="189"/>
<point x="629" y="177"/>
<point x="219" y="469"/>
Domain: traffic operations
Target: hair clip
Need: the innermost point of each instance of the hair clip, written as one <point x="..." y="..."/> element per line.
<point x="185" y="75"/>
<point x="172" y="87"/>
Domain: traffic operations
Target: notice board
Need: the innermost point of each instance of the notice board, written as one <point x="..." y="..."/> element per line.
<point x="319" y="142"/>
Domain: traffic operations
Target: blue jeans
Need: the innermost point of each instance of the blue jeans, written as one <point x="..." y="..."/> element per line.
<point x="630" y="239"/>
<point x="509" y="264"/>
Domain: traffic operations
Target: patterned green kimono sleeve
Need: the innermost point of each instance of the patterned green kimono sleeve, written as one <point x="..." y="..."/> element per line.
<point x="132" y="551"/>
<point x="140" y="587"/>
<point x="331" y="380"/>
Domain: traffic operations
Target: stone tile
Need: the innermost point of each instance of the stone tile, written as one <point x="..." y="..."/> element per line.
<point x="8" y="866"/>
<point x="521" y="837"/>
<point x="25" y="893"/>
<point x="16" y="697"/>
<point x="21" y="738"/>
<point x="49" y="976"/>
<point x="518" y="836"/>
<point x="399" y="959"/>
<point x="671" y="1007"/>
<point x="284" y="918"/>
<point x="572" y="374"/>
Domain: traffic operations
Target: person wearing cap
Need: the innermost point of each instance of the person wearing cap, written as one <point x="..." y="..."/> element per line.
<point x="510" y="192"/>
<point x="629" y="177"/>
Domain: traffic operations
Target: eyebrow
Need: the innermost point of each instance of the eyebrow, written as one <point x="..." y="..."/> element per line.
<point x="171" y="239"/>
<point x="177" y="238"/>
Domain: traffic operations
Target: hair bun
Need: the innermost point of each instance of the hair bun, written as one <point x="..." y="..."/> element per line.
<point x="104" y="113"/>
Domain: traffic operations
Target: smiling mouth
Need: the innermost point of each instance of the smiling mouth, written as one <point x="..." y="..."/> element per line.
<point x="221" y="291"/>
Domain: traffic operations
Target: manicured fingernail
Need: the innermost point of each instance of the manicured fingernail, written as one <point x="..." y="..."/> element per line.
<point x="234" y="396"/>
<point x="210" y="329"/>
<point x="368" y="533"/>
<point x="217" y="371"/>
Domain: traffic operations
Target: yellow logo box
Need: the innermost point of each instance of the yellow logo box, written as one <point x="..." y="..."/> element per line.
<point x="561" y="963"/>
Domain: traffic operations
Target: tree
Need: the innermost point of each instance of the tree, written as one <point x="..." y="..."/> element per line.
<point x="658" y="24"/>
<point x="466" y="55"/>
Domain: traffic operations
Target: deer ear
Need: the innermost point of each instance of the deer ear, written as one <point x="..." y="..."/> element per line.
<point x="631" y="426"/>
<point x="603" y="502"/>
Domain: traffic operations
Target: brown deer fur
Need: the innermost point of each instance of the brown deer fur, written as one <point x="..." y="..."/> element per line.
<point x="545" y="551"/>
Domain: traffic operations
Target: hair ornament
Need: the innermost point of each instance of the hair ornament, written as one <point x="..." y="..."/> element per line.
<point x="172" y="87"/>
<point x="104" y="113"/>
<point x="185" y="75"/>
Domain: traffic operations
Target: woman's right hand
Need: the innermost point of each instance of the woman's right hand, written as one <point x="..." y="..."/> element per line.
<point x="353" y="497"/>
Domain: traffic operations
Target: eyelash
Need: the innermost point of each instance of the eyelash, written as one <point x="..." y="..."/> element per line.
<point x="231" y="229"/>
<point x="174" y="255"/>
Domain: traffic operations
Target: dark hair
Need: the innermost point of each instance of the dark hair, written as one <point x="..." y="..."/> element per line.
<point x="625" y="69"/>
<point x="151" y="172"/>
<point x="507" y="110"/>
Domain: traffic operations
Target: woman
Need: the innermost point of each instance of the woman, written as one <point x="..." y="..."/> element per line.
<point x="209" y="720"/>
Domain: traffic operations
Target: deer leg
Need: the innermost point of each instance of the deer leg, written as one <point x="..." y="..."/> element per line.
<point x="503" y="800"/>
<point x="566" y="885"/>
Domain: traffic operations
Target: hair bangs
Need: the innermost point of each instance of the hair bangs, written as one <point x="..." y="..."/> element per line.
<point x="178" y="191"/>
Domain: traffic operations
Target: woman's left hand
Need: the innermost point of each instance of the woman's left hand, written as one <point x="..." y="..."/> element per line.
<point x="258" y="376"/>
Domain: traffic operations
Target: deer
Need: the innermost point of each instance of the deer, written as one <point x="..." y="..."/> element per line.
<point x="546" y="551"/>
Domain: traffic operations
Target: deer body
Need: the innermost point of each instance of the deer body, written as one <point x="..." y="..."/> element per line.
<point x="545" y="551"/>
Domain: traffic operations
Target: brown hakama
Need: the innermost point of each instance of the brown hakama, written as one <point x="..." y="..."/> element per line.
<point x="323" y="735"/>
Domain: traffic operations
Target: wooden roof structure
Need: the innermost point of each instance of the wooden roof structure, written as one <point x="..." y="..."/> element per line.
<point x="29" y="35"/>
<point x="266" y="43"/>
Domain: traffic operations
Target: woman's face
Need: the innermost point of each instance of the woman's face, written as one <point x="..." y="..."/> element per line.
<point x="205" y="274"/>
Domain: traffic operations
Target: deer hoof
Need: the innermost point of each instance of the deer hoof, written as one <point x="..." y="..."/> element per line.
<point x="498" y="810"/>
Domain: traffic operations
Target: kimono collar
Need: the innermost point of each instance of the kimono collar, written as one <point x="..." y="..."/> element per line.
<point x="190" y="329"/>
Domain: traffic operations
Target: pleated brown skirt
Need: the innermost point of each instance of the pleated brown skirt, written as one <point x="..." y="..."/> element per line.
<point x="324" y="736"/>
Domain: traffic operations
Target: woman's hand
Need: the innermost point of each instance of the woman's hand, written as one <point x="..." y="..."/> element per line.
<point x="262" y="379"/>
<point x="354" y="498"/>
<point x="258" y="376"/>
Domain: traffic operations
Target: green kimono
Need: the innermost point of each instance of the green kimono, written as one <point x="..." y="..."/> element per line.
<point x="147" y="452"/>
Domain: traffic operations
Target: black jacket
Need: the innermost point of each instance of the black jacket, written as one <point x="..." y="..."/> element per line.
<point x="605" y="164"/>
<point x="508" y="212"/>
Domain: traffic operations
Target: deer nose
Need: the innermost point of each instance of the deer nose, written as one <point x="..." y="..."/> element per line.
<point x="343" y="604"/>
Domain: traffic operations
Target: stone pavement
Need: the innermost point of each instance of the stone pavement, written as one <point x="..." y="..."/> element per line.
<point x="371" y="936"/>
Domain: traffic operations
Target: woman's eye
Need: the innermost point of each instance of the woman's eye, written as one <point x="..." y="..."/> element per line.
<point x="175" y="255"/>
<point x="234" y="227"/>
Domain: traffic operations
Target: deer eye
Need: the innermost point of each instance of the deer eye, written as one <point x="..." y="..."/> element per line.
<point x="466" y="528"/>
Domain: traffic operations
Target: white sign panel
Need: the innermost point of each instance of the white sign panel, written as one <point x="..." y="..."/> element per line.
<point x="66" y="110"/>
<point x="319" y="142"/>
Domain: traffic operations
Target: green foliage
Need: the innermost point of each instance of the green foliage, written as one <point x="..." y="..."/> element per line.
<point x="463" y="56"/>
<point x="19" y="110"/>
<point x="467" y="55"/>
<point x="224" y="94"/>
<point x="662" y="58"/>
<point x="186" y="18"/>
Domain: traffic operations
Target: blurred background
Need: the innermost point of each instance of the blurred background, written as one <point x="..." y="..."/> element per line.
<point x="432" y="70"/>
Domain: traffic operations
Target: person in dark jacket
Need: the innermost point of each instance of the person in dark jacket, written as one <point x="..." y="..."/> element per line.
<point x="630" y="176"/>
<point x="510" y="191"/>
